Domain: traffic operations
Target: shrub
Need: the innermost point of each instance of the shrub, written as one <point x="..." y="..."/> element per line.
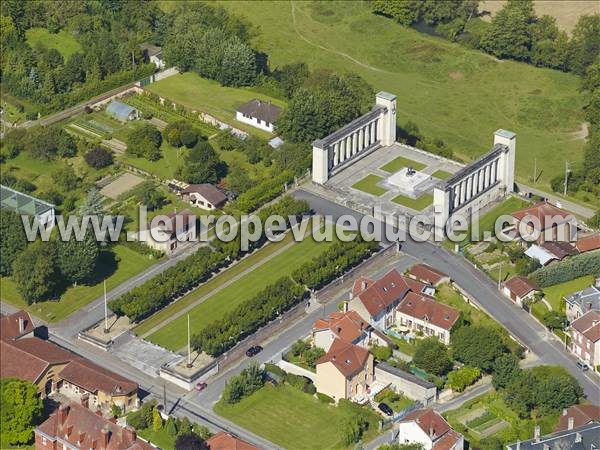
<point x="275" y="370"/>
<point x="381" y="352"/>
<point x="300" y="382"/>
<point x="325" y="398"/>
<point x="459" y="379"/>
<point x="98" y="157"/>
<point x="568" y="269"/>
<point x="246" y="383"/>
<point x="477" y="346"/>
<point x="432" y="356"/>
<point x="264" y="192"/>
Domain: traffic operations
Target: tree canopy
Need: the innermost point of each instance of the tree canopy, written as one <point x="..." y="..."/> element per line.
<point x="20" y="409"/>
<point x="432" y="356"/>
<point x="477" y="346"/>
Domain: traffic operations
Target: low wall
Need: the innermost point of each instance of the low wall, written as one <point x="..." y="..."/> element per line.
<point x="296" y="370"/>
<point x="187" y="382"/>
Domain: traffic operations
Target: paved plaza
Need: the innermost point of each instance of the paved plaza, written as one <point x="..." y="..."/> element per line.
<point x="385" y="172"/>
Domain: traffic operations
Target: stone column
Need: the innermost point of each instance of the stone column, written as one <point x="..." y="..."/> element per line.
<point x="373" y="128"/>
<point x="348" y="143"/>
<point x="336" y="155"/>
<point x="456" y="196"/>
<point x="481" y="178"/>
<point x="469" y="187"/>
<point x="495" y="177"/>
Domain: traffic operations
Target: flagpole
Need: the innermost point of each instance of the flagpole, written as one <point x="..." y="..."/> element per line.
<point x="189" y="363"/>
<point x="105" y="310"/>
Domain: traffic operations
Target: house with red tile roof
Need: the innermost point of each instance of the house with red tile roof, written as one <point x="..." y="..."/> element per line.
<point x="345" y="371"/>
<point x="519" y="288"/>
<point x="225" y="441"/>
<point x="16" y="325"/>
<point x="421" y="313"/>
<point x="76" y="427"/>
<point x="376" y="301"/>
<point x="552" y="223"/>
<point x="347" y="326"/>
<point x="428" y="274"/>
<point x="428" y="428"/>
<point x="57" y="370"/>
<point x="588" y="242"/>
<point x="585" y="338"/>
<point x="577" y="416"/>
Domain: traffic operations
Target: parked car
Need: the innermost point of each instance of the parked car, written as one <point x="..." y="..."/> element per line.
<point x="253" y="351"/>
<point x="200" y="386"/>
<point x="384" y="408"/>
<point x="583" y="366"/>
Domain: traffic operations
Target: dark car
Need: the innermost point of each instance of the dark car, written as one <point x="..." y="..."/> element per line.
<point x="253" y="351"/>
<point x="384" y="408"/>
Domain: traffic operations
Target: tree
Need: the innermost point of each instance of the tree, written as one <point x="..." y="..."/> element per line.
<point x="381" y="352"/>
<point x="238" y="66"/>
<point x="35" y="272"/>
<point x="238" y="179"/>
<point x="147" y="194"/>
<point x="509" y="34"/>
<point x="585" y="43"/>
<point x="555" y="320"/>
<point x="458" y="380"/>
<point x="294" y="157"/>
<point x="246" y="383"/>
<point x="20" y="409"/>
<point x="188" y="138"/>
<point x="13" y="239"/>
<point x="190" y="441"/>
<point x="144" y="141"/>
<point x="505" y="370"/>
<point x="171" y="427"/>
<point x="432" y="356"/>
<point x="77" y="259"/>
<point x="201" y="165"/>
<point x="477" y="346"/>
<point x="157" y="421"/>
<point x="98" y="157"/>
<point x="65" y="178"/>
<point x="595" y="220"/>
<point x="115" y="410"/>
<point x="405" y="12"/>
<point x="92" y="206"/>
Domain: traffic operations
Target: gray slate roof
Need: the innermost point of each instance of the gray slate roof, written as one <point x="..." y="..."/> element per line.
<point x="261" y="110"/>
<point x="582" y="298"/>
<point x="581" y="438"/>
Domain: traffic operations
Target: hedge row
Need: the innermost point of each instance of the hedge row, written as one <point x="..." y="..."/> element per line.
<point x="568" y="269"/>
<point x="264" y="192"/>
<point x="159" y="291"/>
<point x="338" y="259"/>
<point x="223" y="334"/>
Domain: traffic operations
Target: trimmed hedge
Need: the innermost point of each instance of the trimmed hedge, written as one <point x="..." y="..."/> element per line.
<point x="568" y="269"/>
<point x="264" y="192"/>
<point x="225" y="333"/>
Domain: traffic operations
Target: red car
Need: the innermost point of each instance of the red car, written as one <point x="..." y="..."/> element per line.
<point x="200" y="386"/>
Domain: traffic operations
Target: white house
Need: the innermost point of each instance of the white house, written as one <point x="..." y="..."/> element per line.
<point x="258" y="114"/>
<point x="204" y="196"/>
<point x="168" y="235"/>
<point x="428" y="428"/>
<point x="153" y="54"/>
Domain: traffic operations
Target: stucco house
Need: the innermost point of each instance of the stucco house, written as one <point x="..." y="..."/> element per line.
<point x="169" y="235"/>
<point x="579" y="303"/>
<point x="347" y="326"/>
<point x="428" y="428"/>
<point x="428" y="274"/>
<point x="552" y="223"/>
<point x="204" y="196"/>
<point x="376" y="301"/>
<point x="345" y="371"/>
<point x="585" y="338"/>
<point x="259" y="114"/>
<point x="519" y="288"/>
<point x="422" y="313"/>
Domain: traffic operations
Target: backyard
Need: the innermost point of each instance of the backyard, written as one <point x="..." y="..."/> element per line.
<point x="543" y="106"/>
<point x="292" y="419"/>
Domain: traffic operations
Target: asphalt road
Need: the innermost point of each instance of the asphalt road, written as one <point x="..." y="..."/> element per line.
<point x="529" y="332"/>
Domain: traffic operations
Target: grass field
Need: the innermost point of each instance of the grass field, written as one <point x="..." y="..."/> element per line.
<point x="62" y="41"/>
<point x="209" y="286"/>
<point x="398" y="163"/>
<point x="164" y="168"/>
<point x="369" y="185"/>
<point x="554" y="294"/>
<point x="173" y="335"/>
<point x="201" y="94"/>
<point x="116" y="267"/>
<point x="543" y="107"/>
<point x="418" y="204"/>
<point x="291" y="419"/>
<point x="441" y="174"/>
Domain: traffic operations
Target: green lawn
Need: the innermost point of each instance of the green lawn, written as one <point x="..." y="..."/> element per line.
<point x="403" y="346"/>
<point x="159" y="438"/>
<point x="63" y="41"/>
<point x="211" y="285"/>
<point x="116" y="267"/>
<point x="542" y="106"/>
<point x="164" y="168"/>
<point x="369" y="185"/>
<point x="418" y="204"/>
<point x="441" y="174"/>
<point x="173" y="335"/>
<point x="292" y="419"/>
<point x="400" y="162"/>
<point x="493" y="402"/>
<point x="201" y="94"/>
<point x="554" y="294"/>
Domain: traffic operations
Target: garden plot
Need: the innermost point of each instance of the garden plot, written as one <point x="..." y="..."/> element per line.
<point x="123" y="183"/>
<point x="483" y="423"/>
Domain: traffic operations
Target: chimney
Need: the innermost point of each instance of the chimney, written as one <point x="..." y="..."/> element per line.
<point x="564" y="412"/>
<point x="346" y="306"/>
<point x="363" y="285"/>
<point x="129" y="435"/>
<point x="577" y="437"/>
<point x="588" y="306"/>
<point x="81" y="438"/>
<point x="431" y="431"/>
<point x="597" y="283"/>
<point x="21" y="325"/>
<point x="63" y="413"/>
<point x="536" y="433"/>
<point x="570" y="423"/>
<point x="105" y="438"/>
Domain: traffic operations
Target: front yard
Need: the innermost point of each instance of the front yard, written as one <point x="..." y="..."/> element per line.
<point x="292" y="419"/>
